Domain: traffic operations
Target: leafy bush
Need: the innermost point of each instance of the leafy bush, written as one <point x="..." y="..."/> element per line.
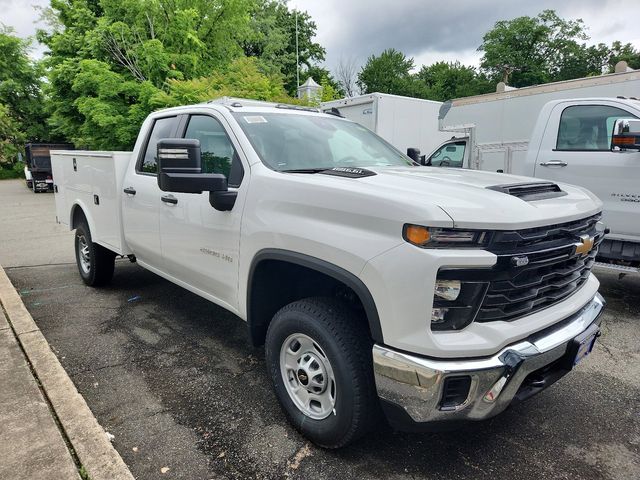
<point x="12" y="171"/>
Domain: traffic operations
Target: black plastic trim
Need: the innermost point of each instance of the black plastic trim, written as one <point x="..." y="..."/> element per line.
<point x="623" y="250"/>
<point x="143" y="150"/>
<point x="527" y="191"/>
<point x="325" y="268"/>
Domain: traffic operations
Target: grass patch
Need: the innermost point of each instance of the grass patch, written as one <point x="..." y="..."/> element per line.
<point x="83" y="474"/>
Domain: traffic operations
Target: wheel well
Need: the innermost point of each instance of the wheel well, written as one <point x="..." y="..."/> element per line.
<point x="276" y="282"/>
<point x="77" y="215"/>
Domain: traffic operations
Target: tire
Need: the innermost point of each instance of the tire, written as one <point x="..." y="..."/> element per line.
<point x="95" y="263"/>
<point x="29" y="185"/>
<point x="33" y="186"/>
<point x="329" y="333"/>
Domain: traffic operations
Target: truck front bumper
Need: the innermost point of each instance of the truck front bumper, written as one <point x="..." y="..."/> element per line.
<point x="424" y="391"/>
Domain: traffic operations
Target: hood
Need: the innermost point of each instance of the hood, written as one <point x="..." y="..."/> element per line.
<point x="466" y="196"/>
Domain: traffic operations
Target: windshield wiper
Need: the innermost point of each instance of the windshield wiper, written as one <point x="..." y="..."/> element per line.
<point x="305" y="170"/>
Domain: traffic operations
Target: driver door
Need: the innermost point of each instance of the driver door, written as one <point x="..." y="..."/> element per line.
<point x="577" y="150"/>
<point x="200" y="245"/>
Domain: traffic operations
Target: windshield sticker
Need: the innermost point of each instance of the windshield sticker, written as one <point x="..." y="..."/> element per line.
<point x="255" y="119"/>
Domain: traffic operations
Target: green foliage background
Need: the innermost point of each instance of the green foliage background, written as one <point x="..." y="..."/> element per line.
<point x="111" y="62"/>
<point x="114" y="61"/>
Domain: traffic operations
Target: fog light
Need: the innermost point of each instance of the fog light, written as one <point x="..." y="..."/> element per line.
<point x="438" y="314"/>
<point x="448" y="289"/>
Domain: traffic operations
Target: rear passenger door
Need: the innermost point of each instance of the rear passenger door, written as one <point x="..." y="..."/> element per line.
<point x="200" y="244"/>
<point x="141" y="198"/>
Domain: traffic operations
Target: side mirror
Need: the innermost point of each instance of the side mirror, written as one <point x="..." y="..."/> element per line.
<point x="180" y="168"/>
<point x="414" y="154"/>
<point x="626" y="134"/>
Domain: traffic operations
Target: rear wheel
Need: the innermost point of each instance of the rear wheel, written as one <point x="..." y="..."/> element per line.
<point x="95" y="263"/>
<point x="319" y="358"/>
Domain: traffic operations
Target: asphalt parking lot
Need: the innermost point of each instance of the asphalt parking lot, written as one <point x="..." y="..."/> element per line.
<point x="175" y="380"/>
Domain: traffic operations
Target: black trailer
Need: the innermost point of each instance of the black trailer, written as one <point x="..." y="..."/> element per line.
<point x="38" y="164"/>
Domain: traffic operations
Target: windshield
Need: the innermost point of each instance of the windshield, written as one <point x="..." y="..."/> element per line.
<point x="287" y="142"/>
<point x="42" y="162"/>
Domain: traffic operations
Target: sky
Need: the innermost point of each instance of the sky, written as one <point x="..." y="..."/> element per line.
<point x="427" y="30"/>
<point x="433" y="30"/>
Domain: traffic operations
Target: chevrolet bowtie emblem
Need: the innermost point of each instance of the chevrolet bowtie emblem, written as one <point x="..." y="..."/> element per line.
<point x="585" y="245"/>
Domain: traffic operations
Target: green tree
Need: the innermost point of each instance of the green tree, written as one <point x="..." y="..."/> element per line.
<point x="532" y="50"/>
<point x="11" y="138"/>
<point x="20" y="87"/>
<point x="390" y="72"/>
<point x="111" y="62"/>
<point x="272" y="38"/>
<point x="445" y="81"/>
<point x="626" y="52"/>
<point x="242" y="78"/>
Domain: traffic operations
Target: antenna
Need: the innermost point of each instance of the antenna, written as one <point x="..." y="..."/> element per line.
<point x="297" y="54"/>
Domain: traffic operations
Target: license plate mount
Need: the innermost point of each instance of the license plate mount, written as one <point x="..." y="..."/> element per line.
<point x="585" y="348"/>
<point x="582" y="345"/>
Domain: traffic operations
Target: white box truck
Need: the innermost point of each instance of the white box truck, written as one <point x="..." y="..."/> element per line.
<point x="560" y="132"/>
<point x="374" y="283"/>
<point x="404" y="122"/>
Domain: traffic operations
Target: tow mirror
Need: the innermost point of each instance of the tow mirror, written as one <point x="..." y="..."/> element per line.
<point x="180" y="168"/>
<point x="626" y="134"/>
<point x="414" y="154"/>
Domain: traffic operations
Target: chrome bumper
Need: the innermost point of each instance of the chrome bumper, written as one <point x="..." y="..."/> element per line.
<point x="415" y="384"/>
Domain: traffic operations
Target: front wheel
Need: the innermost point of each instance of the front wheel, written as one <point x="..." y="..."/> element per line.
<point x="319" y="359"/>
<point x="95" y="263"/>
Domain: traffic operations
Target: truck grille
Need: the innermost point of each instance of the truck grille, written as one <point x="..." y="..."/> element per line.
<point x="553" y="270"/>
<point x="519" y="241"/>
<point x="536" y="268"/>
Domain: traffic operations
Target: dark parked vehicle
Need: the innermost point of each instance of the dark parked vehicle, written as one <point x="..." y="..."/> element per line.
<point x="37" y="170"/>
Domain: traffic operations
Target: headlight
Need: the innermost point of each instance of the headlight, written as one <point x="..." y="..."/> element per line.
<point x="428" y="237"/>
<point x="447" y="289"/>
<point x="455" y="303"/>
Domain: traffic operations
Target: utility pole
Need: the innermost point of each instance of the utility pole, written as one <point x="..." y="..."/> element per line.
<point x="297" y="54"/>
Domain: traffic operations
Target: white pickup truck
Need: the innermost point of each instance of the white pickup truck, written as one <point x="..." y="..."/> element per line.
<point x="377" y="285"/>
<point x="562" y="132"/>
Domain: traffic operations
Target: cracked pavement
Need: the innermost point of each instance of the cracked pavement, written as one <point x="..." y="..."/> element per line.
<point x="175" y="379"/>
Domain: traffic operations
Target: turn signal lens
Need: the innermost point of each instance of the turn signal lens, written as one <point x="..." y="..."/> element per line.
<point x="417" y="235"/>
<point x="448" y="289"/>
<point x="435" y="237"/>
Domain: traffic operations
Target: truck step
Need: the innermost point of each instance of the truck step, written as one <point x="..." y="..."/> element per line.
<point x="616" y="268"/>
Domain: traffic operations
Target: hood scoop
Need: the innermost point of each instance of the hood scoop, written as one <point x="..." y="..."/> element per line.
<point x="348" y="172"/>
<point x="530" y="192"/>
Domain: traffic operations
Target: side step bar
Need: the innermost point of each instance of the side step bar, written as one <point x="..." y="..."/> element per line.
<point x="620" y="269"/>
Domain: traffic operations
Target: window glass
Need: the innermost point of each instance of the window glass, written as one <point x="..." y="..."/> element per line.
<point x="291" y="141"/>
<point x="162" y="128"/>
<point x="588" y="127"/>
<point x="449" y="155"/>
<point x="218" y="154"/>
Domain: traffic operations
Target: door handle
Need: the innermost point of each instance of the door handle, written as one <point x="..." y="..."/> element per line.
<point x="554" y="163"/>
<point x="130" y="191"/>
<point x="169" y="199"/>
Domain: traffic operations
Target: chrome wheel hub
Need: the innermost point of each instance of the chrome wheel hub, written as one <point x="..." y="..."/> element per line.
<point x="308" y="376"/>
<point x="83" y="254"/>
